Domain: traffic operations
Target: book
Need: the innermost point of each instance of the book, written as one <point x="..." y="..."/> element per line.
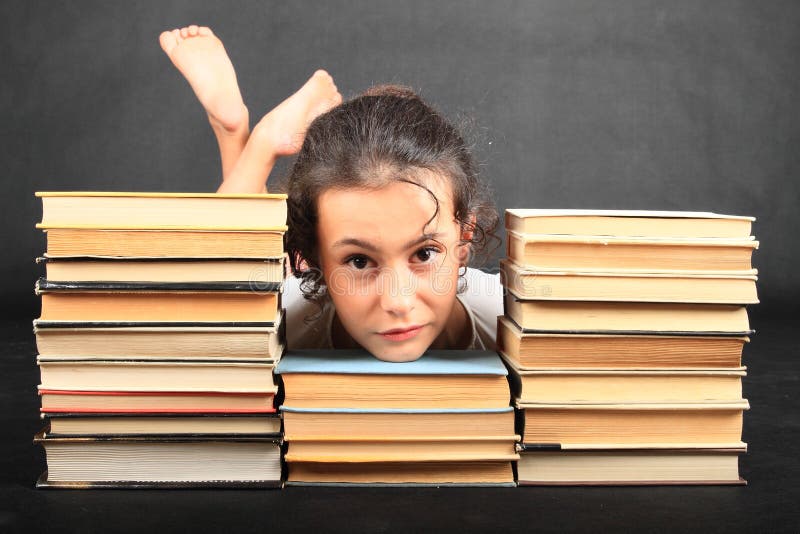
<point x="212" y="244"/>
<point x="621" y="254"/>
<point x="155" y="402"/>
<point x="626" y="317"/>
<point x="168" y="424"/>
<point x="630" y="467"/>
<point x="628" y="223"/>
<point x="253" y="272"/>
<point x="160" y="459"/>
<point x="356" y="379"/>
<point x="197" y="343"/>
<point x="126" y="375"/>
<point x="187" y="211"/>
<point x="616" y="351"/>
<point x="396" y="450"/>
<point x="154" y="307"/>
<point x="625" y="386"/>
<point x="569" y="425"/>
<point x="628" y="287"/>
<point x="341" y="423"/>
<point x="402" y="473"/>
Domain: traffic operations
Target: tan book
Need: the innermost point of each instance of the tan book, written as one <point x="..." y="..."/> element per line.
<point x="607" y="253"/>
<point x="625" y="386"/>
<point x="628" y="287"/>
<point x="196" y="343"/>
<point x="609" y="351"/>
<point x="402" y="473"/>
<point x="150" y="270"/>
<point x="147" y="402"/>
<point x="98" y="242"/>
<point x="160" y="307"/>
<point x="408" y="450"/>
<point x="630" y="467"/>
<point x="156" y="376"/>
<point x="626" y="317"/>
<point x="612" y="425"/>
<point x="392" y="425"/>
<point x="166" y="424"/>
<point x="176" y="211"/>
<point x="628" y="223"/>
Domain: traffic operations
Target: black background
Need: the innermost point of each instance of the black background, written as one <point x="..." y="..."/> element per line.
<point x="680" y="105"/>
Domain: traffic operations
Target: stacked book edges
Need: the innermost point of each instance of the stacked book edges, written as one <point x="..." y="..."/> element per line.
<point x="160" y="329"/>
<point x="350" y="419"/>
<point x="623" y="335"/>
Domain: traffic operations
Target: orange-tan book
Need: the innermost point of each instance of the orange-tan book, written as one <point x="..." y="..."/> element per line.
<point x="175" y="211"/>
<point x="614" y="253"/>
<point x="628" y="287"/>
<point x="626" y="317"/>
<point x="620" y="351"/>
<point x="411" y="473"/>
<point x="628" y="223"/>
<point x="152" y="402"/>
<point x="170" y="424"/>
<point x="100" y="242"/>
<point x="408" y="450"/>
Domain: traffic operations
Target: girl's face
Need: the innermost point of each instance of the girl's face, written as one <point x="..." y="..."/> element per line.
<point x="392" y="276"/>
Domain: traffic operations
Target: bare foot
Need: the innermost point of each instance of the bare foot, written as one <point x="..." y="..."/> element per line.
<point x="283" y="129"/>
<point x="200" y="56"/>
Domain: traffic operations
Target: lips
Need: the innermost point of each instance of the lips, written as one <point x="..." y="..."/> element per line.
<point x="401" y="334"/>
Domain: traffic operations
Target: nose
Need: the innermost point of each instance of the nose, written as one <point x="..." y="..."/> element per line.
<point x="397" y="290"/>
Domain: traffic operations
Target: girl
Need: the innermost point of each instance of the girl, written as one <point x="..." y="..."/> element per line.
<point x="385" y="209"/>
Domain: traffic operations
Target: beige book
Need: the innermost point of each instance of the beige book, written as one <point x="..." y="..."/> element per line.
<point x="628" y="287"/>
<point x="616" y="351"/>
<point x="102" y="243"/>
<point x="409" y="450"/>
<point x="636" y="255"/>
<point x="162" y="425"/>
<point x="628" y="223"/>
<point x="176" y="211"/>
<point x="67" y="401"/>
<point x="402" y="472"/>
<point x="624" y="317"/>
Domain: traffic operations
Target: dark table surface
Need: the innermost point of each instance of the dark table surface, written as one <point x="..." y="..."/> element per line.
<point x="769" y="503"/>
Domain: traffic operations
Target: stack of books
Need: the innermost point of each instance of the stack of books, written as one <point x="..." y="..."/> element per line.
<point x="351" y="419"/>
<point x="623" y="335"/>
<point x="158" y="336"/>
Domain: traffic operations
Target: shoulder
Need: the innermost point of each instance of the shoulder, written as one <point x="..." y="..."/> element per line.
<point x="483" y="299"/>
<point x="307" y="324"/>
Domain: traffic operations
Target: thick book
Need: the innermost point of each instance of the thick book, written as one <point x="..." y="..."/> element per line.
<point x="402" y="473"/>
<point x="407" y="450"/>
<point x="186" y="211"/>
<point x="145" y="306"/>
<point x="179" y="343"/>
<point x="533" y="284"/>
<point x="155" y="402"/>
<point x="356" y="379"/>
<point x="589" y="386"/>
<point x="162" y="459"/>
<point x="148" y="375"/>
<point x="165" y="244"/>
<point x="616" y="351"/>
<point x="166" y="424"/>
<point x="571" y="425"/>
<point x="628" y="223"/>
<point x="606" y="253"/>
<point x="629" y="467"/>
<point x="343" y="424"/>
<point x="627" y="317"/>
<point x="249" y="273"/>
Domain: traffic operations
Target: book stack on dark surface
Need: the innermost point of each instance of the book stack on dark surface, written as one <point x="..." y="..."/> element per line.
<point x="159" y="333"/>
<point x="623" y="336"/>
<point x="351" y="419"/>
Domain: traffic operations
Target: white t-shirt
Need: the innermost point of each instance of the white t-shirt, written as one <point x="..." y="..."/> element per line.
<point x="308" y="327"/>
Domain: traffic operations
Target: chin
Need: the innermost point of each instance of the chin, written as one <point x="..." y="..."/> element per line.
<point x="397" y="355"/>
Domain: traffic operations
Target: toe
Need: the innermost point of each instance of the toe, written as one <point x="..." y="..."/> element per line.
<point x="184" y="32"/>
<point x="167" y="41"/>
<point x="205" y="31"/>
<point x="193" y="30"/>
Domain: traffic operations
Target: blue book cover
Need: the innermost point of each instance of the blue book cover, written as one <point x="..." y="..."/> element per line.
<point x="433" y="362"/>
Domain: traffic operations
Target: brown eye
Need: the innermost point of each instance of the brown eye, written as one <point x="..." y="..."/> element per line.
<point x="359" y="262"/>
<point x="426" y="254"/>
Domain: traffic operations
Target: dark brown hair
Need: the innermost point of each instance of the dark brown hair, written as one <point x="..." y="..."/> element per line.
<point x="385" y="134"/>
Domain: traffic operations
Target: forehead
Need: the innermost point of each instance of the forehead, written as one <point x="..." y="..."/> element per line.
<point x="398" y="210"/>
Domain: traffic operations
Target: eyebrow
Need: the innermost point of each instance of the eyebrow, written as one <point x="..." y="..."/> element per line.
<point x="369" y="246"/>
